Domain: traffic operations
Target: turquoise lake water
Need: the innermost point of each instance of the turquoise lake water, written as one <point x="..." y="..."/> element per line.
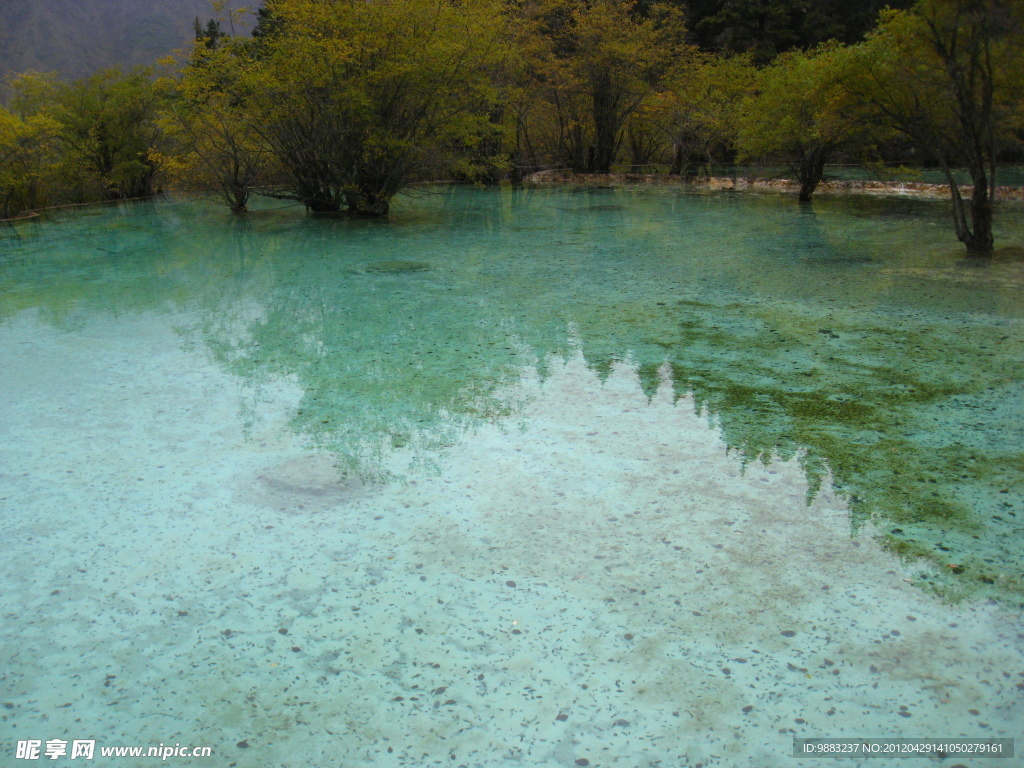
<point x="517" y="477"/>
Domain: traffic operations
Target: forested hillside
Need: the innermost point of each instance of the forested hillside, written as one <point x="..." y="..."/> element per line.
<point x="75" y="38"/>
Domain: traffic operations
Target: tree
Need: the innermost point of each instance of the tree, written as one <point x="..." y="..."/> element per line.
<point x="108" y="131"/>
<point x="948" y="75"/>
<point x="765" y="28"/>
<point x="762" y="28"/>
<point x="800" y="115"/>
<point x="217" y="145"/>
<point x="210" y="36"/>
<point x="267" y="23"/>
<point x="359" y="99"/>
<point x="600" y="62"/>
<point x="26" y="162"/>
<point x="699" y="110"/>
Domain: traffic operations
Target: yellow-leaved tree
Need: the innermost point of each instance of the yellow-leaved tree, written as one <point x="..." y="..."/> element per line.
<point x="29" y="152"/>
<point x="949" y="76"/>
<point x="596" y="63"/>
<point x="699" y="110"/>
<point x="358" y="99"/>
<point x="801" y="115"/>
<point x="218" y="146"/>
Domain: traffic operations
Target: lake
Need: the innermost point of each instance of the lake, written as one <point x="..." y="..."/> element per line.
<point x="544" y="477"/>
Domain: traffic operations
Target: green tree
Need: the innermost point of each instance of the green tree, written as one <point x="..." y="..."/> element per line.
<point x="762" y="28"/>
<point x="358" y="99"/>
<point x="108" y="131"/>
<point x="32" y="93"/>
<point x="27" y="159"/>
<point x="267" y="23"/>
<point x="536" y="142"/>
<point x="601" y="61"/>
<point x="948" y="75"/>
<point x="216" y="145"/>
<point x="699" y="110"/>
<point x="800" y="115"/>
<point x="765" y="28"/>
<point x="209" y="36"/>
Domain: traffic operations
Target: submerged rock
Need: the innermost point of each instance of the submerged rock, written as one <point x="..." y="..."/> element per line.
<point x="309" y="483"/>
<point x="396" y="267"/>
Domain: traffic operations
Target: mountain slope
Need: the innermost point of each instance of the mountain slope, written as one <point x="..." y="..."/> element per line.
<point x="77" y="37"/>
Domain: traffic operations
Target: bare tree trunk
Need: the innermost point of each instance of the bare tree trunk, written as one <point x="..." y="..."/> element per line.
<point x="574" y="149"/>
<point x="809" y="172"/>
<point x="677" y="161"/>
<point x="976" y="236"/>
<point x="981" y="220"/>
<point x="607" y="125"/>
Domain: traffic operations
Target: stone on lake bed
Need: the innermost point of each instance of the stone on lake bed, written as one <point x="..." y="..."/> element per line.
<point x="307" y="483"/>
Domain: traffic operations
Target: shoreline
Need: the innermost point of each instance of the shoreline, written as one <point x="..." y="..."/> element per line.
<point x="38" y="213"/>
<point x="781" y="186"/>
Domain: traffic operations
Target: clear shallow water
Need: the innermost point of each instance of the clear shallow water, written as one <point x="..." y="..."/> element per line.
<point x="362" y="432"/>
<point x="1006" y="175"/>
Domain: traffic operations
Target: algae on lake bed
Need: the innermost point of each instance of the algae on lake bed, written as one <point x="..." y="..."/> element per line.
<point x="918" y="425"/>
